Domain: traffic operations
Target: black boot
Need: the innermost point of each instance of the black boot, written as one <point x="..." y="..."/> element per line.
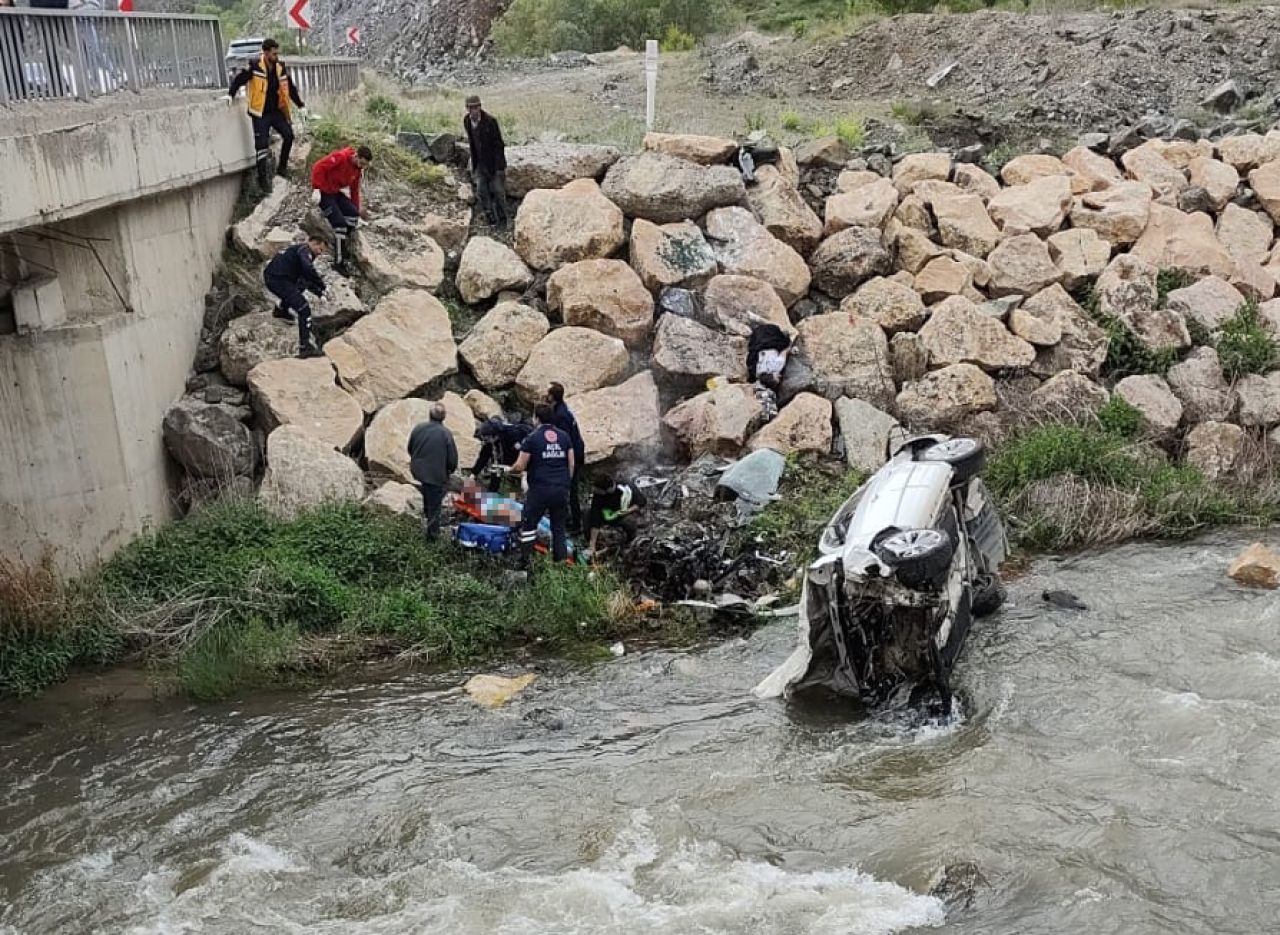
<point x="264" y="171"/>
<point x="282" y="312"/>
<point x="307" y="351"/>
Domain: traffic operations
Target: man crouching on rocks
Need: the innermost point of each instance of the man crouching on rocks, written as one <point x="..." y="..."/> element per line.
<point x="291" y="271"/>
<point x="333" y="177"/>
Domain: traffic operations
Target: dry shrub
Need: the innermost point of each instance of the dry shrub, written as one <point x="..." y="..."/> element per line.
<point x="1066" y="512"/>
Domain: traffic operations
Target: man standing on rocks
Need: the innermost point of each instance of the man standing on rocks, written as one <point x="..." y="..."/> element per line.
<point x="547" y="456"/>
<point x="563" y="419"/>
<point x="433" y="456"/>
<point x="334" y="176"/>
<point x="488" y="161"/>
<point x="270" y="92"/>
<point x="291" y="271"/>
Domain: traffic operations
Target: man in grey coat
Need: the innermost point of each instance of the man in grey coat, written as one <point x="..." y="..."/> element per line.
<point x="433" y="456"/>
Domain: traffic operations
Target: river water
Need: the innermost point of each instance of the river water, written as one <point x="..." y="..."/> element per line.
<point x="1114" y="771"/>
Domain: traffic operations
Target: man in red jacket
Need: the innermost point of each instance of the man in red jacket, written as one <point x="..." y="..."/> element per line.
<point x="336" y="172"/>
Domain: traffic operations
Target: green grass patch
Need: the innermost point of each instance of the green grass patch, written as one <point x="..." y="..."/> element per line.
<point x="390" y="160"/>
<point x="1167" y="280"/>
<point x="1245" y="345"/>
<point x="223" y="600"/>
<point x="808" y="497"/>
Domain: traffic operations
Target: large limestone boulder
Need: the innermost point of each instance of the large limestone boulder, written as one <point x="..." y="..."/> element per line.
<point x="1090" y="171"/>
<point x="804" y="424"/>
<point x="1083" y="345"/>
<point x="1186" y="242"/>
<point x="405" y="344"/>
<point x="869" y="205"/>
<point x="1256" y="567"/>
<point x="1038" y="207"/>
<point x="1215" y="449"/>
<point x="1199" y="385"/>
<point x="943" y="277"/>
<point x="394" y="497"/>
<point x="1156" y="403"/>
<point x="304" y="472"/>
<point x="867" y="433"/>
<point x="304" y="394"/>
<point x="1259" y="400"/>
<point x="921" y="167"/>
<point x="945" y="397"/>
<point x="914" y="248"/>
<point x="1067" y="397"/>
<point x="252" y="339"/>
<point x="1034" y="329"/>
<point x="914" y="213"/>
<point x="1208" y="302"/>
<point x="1127" y="292"/>
<point x="1217" y="180"/>
<point x="488" y="267"/>
<point x="1119" y="214"/>
<point x="890" y="304"/>
<point x="976" y="181"/>
<point x="501" y="342"/>
<point x="576" y="222"/>
<point x="1265" y="182"/>
<point x="250" y="233"/>
<point x="847" y="357"/>
<point x="1021" y="265"/>
<point x="554" y="165"/>
<point x="963" y="223"/>
<point x="671" y="255"/>
<point x="743" y="246"/>
<point x="1246" y="151"/>
<point x="209" y="440"/>
<point x="450" y="232"/>
<point x="778" y="205"/>
<point x="399" y="258"/>
<point x="686" y="354"/>
<point x="851" y="180"/>
<point x="1081" y="255"/>
<point x="1246" y="235"/>
<point x="386" y="441"/>
<point x="739" y="303"/>
<point x="704" y="150"/>
<point x="483" y="406"/>
<point x="1031" y="166"/>
<point x="663" y="188"/>
<point x="846" y="260"/>
<point x="1147" y="163"/>
<point x="957" y="332"/>
<point x="622" y="421"/>
<point x="578" y="358"/>
<point x="605" y="295"/>
<point x="715" y="422"/>
<point x="910" y="358"/>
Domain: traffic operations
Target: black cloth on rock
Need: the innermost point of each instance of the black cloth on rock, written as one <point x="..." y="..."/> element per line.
<point x="768" y="337"/>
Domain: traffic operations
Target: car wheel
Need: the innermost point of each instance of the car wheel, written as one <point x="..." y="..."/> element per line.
<point x="988" y="595"/>
<point x="965" y="455"/>
<point x="919" y="557"/>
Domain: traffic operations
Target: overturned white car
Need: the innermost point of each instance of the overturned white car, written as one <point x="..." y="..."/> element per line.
<point x="905" y="564"/>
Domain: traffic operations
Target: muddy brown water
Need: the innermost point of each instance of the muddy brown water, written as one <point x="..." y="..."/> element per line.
<point x="1114" y="771"/>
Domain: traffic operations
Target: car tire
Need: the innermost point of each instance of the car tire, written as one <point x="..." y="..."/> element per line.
<point x="988" y="595"/>
<point x="920" y="558"/>
<point x="966" y="456"/>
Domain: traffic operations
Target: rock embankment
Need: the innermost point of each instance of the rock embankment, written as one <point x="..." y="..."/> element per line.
<point x="933" y="296"/>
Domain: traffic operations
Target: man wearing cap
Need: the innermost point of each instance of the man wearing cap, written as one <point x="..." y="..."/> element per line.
<point x="488" y="161"/>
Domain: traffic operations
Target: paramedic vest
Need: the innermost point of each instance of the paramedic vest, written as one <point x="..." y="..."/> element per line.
<point x="258" y="88"/>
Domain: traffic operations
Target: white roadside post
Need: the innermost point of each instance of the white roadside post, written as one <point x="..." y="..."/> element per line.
<point x="650" y="80"/>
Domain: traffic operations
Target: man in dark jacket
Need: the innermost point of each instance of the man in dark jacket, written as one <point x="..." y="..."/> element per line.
<point x="270" y="94"/>
<point x="613" y="504"/>
<point x="291" y="271"/>
<point x="488" y="161"/>
<point x="500" y="446"/>
<point x="547" y="457"/>
<point x="562" y="418"/>
<point x="433" y="456"/>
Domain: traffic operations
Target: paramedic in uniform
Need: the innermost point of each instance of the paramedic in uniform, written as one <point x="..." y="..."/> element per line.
<point x="546" y="456"/>
<point x="270" y="94"/>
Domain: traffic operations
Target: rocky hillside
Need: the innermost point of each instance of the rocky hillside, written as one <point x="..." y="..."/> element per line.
<point x="927" y="293"/>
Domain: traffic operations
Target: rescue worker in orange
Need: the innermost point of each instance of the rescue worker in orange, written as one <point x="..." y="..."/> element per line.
<point x="270" y="93"/>
<point x="341" y="170"/>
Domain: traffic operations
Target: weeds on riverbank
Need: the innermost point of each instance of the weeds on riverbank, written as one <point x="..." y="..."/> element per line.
<point x="808" y="497"/>
<point x="231" y="596"/>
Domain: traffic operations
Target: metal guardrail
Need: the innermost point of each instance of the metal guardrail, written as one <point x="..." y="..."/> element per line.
<point x="318" y="76"/>
<point x="49" y="54"/>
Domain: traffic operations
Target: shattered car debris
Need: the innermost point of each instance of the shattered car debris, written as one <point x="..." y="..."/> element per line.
<point x="904" y="565"/>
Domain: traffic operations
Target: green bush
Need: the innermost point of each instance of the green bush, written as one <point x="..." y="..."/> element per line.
<point x="1245" y="346"/>
<point x="1119" y="418"/>
<point x="809" y="497"/>
<point x="536" y="27"/>
<point x="792" y="121"/>
<point x="1168" y="280"/>
<point x="677" y="40"/>
<point x="1126" y="355"/>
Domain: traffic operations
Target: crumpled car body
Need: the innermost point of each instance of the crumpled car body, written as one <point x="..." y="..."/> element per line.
<point x="904" y="566"/>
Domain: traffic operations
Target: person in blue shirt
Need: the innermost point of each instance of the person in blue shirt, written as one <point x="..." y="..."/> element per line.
<point x="546" y="457"/>
<point x="562" y="418"/>
<point x="290" y="272"/>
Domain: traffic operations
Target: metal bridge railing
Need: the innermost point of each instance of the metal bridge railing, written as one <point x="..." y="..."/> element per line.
<point x="319" y="76"/>
<point x="48" y="54"/>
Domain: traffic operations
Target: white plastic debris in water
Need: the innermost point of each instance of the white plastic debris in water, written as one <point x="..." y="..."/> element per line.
<point x="493" y="691"/>
<point x="618" y="649"/>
